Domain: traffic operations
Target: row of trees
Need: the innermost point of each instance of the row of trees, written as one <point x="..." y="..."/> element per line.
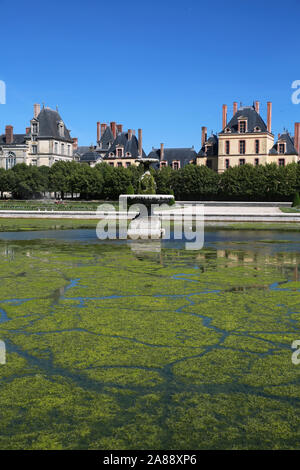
<point x="248" y="183"/>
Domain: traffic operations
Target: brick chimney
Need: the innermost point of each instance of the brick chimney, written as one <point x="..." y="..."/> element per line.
<point x="257" y="106"/>
<point x="140" y="142"/>
<point x="103" y="128"/>
<point x="27" y="130"/>
<point x="235" y="107"/>
<point x="36" y="110"/>
<point x="297" y="137"/>
<point x="269" y="117"/>
<point x="75" y="143"/>
<point x="162" y="151"/>
<point x="129" y="134"/>
<point x="9" y="134"/>
<point x="279" y="135"/>
<point x="120" y="128"/>
<point x="224" y="116"/>
<point x="113" y="127"/>
<point x="98" y="131"/>
<point x="203" y="136"/>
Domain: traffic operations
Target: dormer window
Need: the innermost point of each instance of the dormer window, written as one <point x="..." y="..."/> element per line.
<point x="111" y="154"/>
<point x="61" y="129"/>
<point x="242" y="127"/>
<point x="119" y="152"/>
<point x="128" y="154"/>
<point x="34" y="128"/>
<point x="208" y="150"/>
<point x="257" y="129"/>
<point x="227" y="130"/>
<point x="281" y="148"/>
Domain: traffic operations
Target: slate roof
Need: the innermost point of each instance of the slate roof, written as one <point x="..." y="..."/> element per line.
<point x="106" y="139"/>
<point x="19" y="139"/>
<point x="48" y="125"/>
<point x="131" y="146"/>
<point x="81" y="150"/>
<point x="213" y="140"/>
<point x="184" y="155"/>
<point x="290" y="149"/>
<point x="90" y="156"/>
<point x="254" y="120"/>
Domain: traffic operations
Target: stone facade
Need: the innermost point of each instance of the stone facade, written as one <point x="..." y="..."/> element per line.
<point x="46" y="141"/>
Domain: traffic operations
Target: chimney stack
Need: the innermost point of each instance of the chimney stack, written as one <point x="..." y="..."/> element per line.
<point x="36" y="110"/>
<point x="113" y="127"/>
<point x="279" y="135"/>
<point x="235" y="107"/>
<point x="203" y="136"/>
<point x="9" y="134"/>
<point x="98" y="131"/>
<point x="133" y="132"/>
<point x="140" y="142"/>
<point x="257" y="106"/>
<point x="297" y="137"/>
<point x="162" y="151"/>
<point x="224" y="116"/>
<point x="75" y="143"/>
<point x="269" y="118"/>
<point x="120" y="128"/>
<point x="129" y="134"/>
<point x="27" y="130"/>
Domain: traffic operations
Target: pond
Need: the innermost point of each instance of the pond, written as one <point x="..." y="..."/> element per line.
<point x="140" y="345"/>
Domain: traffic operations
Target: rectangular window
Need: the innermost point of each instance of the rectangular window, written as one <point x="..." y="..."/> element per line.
<point x="128" y="164"/>
<point x="34" y="162"/>
<point x="257" y="146"/>
<point x="119" y="153"/>
<point x="34" y="149"/>
<point x="175" y="166"/>
<point x="163" y="164"/>
<point x="281" y="148"/>
<point x="227" y="163"/>
<point x="111" y="163"/>
<point x="209" y="163"/>
<point x="227" y="147"/>
<point x="256" y="161"/>
<point x="242" y="147"/>
<point x="56" y="148"/>
<point x="242" y="161"/>
<point x="69" y="150"/>
<point x="281" y="162"/>
<point x="242" y="127"/>
<point x="34" y="128"/>
<point x="62" y="149"/>
<point x="120" y="164"/>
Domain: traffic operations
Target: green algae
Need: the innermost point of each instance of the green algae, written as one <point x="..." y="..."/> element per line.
<point x="178" y="350"/>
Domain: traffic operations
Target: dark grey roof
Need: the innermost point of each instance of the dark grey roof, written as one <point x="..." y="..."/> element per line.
<point x="107" y="138"/>
<point x="90" y="156"/>
<point x="254" y="120"/>
<point x="184" y="155"/>
<point x="290" y="149"/>
<point x="213" y="140"/>
<point x="19" y="139"/>
<point x="130" y="146"/>
<point x="82" y="149"/>
<point x="48" y="125"/>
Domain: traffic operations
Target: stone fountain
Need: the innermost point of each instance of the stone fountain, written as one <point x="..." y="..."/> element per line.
<point x="145" y="224"/>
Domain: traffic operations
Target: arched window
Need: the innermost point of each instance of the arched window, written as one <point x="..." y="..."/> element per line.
<point x="10" y="160"/>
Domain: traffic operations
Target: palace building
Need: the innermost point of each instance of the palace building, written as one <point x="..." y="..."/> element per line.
<point x="114" y="147"/>
<point x="46" y="140"/>
<point x="246" y="138"/>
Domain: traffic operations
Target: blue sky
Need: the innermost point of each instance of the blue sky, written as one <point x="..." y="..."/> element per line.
<point x="166" y="66"/>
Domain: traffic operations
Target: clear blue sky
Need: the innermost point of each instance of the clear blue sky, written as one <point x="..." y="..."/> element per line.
<point x="166" y="66"/>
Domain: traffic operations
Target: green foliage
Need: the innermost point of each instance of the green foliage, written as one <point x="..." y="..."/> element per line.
<point x="147" y="184"/>
<point x="130" y="189"/>
<point x="296" y="201"/>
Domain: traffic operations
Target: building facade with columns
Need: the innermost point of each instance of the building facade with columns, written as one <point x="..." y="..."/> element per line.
<point x="46" y="141"/>
<point x="247" y="139"/>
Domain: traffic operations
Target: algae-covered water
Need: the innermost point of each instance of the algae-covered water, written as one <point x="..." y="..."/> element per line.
<point x="117" y="346"/>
